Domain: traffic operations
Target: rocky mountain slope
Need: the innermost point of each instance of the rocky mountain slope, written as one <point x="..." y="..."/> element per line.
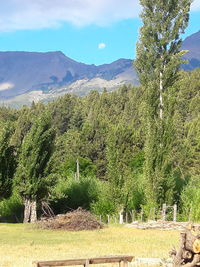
<point x="28" y="76"/>
<point x="192" y="43"/>
<point x="23" y="72"/>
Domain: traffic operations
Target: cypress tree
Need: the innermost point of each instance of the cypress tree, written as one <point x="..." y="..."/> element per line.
<point x="157" y="63"/>
<point x="30" y="179"/>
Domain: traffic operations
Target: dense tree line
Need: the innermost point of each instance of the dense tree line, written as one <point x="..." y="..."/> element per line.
<point x="106" y="134"/>
<point x="136" y="148"/>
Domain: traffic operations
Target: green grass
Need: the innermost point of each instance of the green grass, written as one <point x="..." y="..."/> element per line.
<point x="21" y="244"/>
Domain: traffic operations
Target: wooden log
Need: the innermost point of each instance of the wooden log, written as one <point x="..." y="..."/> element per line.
<point x="195" y="261"/>
<point x="188" y="252"/>
<point x="196" y="246"/>
<point x="192" y="242"/>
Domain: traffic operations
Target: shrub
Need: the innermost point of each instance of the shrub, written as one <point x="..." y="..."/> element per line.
<point x="71" y="194"/>
<point x="11" y="210"/>
<point x="190" y="199"/>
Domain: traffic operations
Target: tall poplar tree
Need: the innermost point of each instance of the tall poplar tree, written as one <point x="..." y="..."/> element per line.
<point x="157" y="63"/>
<point x="30" y="179"/>
<point x="7" y="160"/>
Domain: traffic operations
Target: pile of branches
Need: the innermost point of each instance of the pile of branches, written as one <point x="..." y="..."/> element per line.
<point x="77" y="220"/>
<point x="188" y="255"/>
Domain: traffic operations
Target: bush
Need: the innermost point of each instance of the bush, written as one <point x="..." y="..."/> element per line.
<point x="104" y="205"/>
<point x="190" y="199"/>
<point x="11" y="210"/>
<point x="71" y="194"/>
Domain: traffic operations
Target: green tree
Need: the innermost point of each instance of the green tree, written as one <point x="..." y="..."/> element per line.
<point x="157" y="63"/>
<point x="123" y="163"/>
<point x="7" y="160"/>
<point x="30" y="179"/>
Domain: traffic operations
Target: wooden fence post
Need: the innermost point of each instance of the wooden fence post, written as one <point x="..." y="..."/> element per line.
<point x="175" y="213"/>
<point x="121" y="219"/>
<point x="141" y="215"/>
<point x="126" y="217"/>
<point x="133" y="216"/>
<point x="164" y="207"/>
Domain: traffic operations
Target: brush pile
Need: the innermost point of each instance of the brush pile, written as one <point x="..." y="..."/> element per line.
<point x="77" y="220"/>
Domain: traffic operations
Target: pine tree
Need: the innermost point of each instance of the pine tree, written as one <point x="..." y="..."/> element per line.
<point x="30" y="179"/>
<point x="157" y="63"/>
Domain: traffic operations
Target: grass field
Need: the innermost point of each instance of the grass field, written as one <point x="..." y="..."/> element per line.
<point x="21" y="244"/>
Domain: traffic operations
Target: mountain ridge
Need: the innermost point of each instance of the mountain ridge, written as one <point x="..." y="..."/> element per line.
<point x="47" y="74"/>
<point x="49" y="70"/>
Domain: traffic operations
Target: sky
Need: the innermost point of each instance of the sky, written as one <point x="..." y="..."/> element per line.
<point x="88" y="31"/>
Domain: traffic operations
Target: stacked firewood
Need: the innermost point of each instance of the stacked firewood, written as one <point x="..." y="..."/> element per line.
<point x="188" y="255"/>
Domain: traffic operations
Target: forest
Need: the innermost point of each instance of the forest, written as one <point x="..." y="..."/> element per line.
<point x="134" y="148"/>
<point x="40" y="146"/>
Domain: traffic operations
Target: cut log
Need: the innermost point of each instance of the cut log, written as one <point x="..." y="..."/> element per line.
<point x="195" y="261"/>
<point x="190" y="241"/>
<point x="196" y="246"/>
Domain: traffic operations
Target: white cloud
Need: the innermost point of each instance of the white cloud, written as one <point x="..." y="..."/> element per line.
<point x="101" y="46"/>
<point x="195" y="5"/>
<point x="36" y="14"/>
<point x="6" y="86"/>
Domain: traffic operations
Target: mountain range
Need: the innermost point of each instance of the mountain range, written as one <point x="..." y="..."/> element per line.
<point x="28" y="76"/>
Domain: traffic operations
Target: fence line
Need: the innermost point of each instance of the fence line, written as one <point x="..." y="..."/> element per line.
<point x="132" y="216"/>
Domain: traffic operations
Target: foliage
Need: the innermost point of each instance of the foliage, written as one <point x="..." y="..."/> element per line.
<point x="190" y="199"/>
<point x="11" y="209"/>
<point x="104" y="204"/>
<point x="7" y="160"/>
<point x="107" y="133"/>
<point x="157" y="63"/>
<point x="36" y="150"/>
<point x="86" y="167"/>
<point x="70" y="194"/>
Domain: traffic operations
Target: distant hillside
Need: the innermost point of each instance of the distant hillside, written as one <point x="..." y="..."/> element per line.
<point x="22" y="72"/>
<point x="28" y="76"/>
<point x="192" y="43"/>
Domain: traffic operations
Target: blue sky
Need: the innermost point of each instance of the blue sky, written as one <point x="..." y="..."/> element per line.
<point x="89" y="31"/>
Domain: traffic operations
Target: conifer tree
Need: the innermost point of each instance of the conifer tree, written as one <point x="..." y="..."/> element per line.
<point x="157" y="63"/>
<point x="30" y="179"/>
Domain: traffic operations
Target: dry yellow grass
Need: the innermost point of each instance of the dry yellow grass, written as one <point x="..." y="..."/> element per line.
<point x="22" y="244"/>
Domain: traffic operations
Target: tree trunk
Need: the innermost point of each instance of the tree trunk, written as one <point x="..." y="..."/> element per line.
<point x="77" y="170"/>
<point x="27" y="210"/>
<point x="161" y="95"/>
<point x="33" y="216"/>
